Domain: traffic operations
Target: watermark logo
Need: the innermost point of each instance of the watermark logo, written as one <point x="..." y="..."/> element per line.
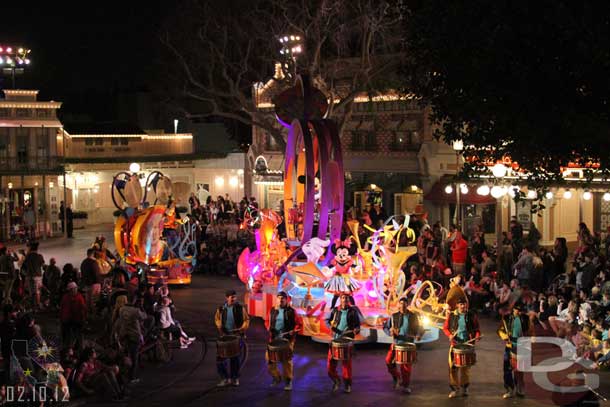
<point x="554" y="372"/>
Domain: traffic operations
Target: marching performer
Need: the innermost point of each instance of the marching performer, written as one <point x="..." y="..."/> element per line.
<point x="344" y="322"/>
<point x="513" y="327"/>
<point x="461" y="326"/>
<point x="231" y="319"/>
<point x="402" y="326"/>
<point x="282" y="324"/>
<point x="342" y="281"/>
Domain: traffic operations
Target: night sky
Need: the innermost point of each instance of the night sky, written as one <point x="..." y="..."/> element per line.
<point x="86" y="55"/>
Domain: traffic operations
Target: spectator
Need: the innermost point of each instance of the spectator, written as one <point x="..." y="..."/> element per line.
<point x="96" y="378"/>
<point x="90" y="271"/>
<point x="69" y="275"/>
<point x="52" y="281"/>
<point x="129" y="333"/>
<point x="167" y="324"/>
<point x="73" y="314"/>
<point x="7" y="274"/>
<point x="32" y="266"/>
<point x="459" y="252"/>
<point x="524" y="267"/>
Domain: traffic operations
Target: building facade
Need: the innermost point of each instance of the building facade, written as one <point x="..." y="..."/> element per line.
<point x="93" y="159"/>
<point x="31" y="157"/>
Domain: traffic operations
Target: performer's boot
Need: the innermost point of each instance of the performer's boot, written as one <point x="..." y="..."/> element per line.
<point x="336" y="384"/>
<point x="465" y="391"/>
<point x="396" y="385"/>
<point x="510" y="393"/>
<point x="454" y="392"/>
<point x="348" y="386"/>
<point x="288" y="385"/>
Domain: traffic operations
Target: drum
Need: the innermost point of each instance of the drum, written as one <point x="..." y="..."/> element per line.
<point x="279" y="350"/>
<point x="463" y="355"/>
<point x="341" y="349"/>
<point x="227" y="346"/>
<point x="405" y="352"/>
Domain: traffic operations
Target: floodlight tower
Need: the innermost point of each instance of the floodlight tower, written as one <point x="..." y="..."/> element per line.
<point x="13" y="60"/>
<point x="291" y="47"/>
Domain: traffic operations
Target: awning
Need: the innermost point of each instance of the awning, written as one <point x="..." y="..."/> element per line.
<point x="438" y="195"/>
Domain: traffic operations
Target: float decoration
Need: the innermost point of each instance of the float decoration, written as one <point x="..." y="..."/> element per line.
<point x="152" y="240"/>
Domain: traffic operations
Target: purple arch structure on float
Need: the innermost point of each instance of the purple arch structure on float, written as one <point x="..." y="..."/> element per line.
<point x="304" y="134"/>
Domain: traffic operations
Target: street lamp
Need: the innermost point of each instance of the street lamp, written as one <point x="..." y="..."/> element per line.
<point x="134" y="167"/>
<point x="458" y="146"/>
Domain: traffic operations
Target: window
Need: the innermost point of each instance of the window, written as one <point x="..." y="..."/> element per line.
<point x="124" y="141"/>
<point x="371" y="141"/>
<point x="22" y="149"/>
<point x="88" y="141"/>
<point x="114" y="141"/>
<point x="23" y="112"/>
<point x="99" y="141"/>
<point x="5" y="112"/>
<point x="357" y="141"/>
<point x="400" y="141"/>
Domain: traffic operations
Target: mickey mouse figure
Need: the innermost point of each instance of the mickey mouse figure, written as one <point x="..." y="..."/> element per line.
<point x="342" y="281"/>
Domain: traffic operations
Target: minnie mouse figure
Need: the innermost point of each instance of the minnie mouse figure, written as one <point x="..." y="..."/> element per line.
<point x="342" y="282"/>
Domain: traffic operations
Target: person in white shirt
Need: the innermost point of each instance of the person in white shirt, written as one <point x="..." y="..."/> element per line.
<point x="166" y="322"/>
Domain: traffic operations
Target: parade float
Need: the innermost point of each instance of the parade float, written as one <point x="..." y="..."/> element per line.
<point x="312" y="264"/>
<point x="152" y="239"/>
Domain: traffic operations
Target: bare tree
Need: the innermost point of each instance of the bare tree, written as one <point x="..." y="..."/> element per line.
<point x="220" y="49"/>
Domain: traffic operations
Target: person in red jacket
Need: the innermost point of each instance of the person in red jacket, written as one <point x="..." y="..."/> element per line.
<point x="459" y="252"/>
<point x="73" y="314"/>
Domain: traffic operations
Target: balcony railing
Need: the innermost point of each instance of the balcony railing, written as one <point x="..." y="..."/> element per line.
<point x="28" y="165"/>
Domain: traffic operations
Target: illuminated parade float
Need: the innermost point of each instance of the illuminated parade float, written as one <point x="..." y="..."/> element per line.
<point x="313" y="265"/>
<point x="152" y="239"/>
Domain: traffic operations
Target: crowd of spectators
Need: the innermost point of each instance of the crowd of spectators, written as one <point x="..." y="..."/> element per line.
<point x="107" y="322"/>
<point x="221" y="237"/>
<point x="564" y="295"/>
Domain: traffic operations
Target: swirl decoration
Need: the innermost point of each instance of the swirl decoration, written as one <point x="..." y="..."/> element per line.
<point x="426" y="302"/>
<point x="388" y="258"/>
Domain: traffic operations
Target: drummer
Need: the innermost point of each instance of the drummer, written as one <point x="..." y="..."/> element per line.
<point x="231" y="319"/>
<point x="282" y="324"/>
<point x="403" y="326"/>
<point x="514" y="326"/>
<point x="344" y="322"/>
<point x="461" y="325"/>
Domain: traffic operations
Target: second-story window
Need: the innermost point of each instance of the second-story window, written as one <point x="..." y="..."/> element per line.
<point x="5" y="112"/>
<point x="23" y="112"/>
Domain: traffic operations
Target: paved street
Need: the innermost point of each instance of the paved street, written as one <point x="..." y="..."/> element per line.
<point x="190" y="378"/>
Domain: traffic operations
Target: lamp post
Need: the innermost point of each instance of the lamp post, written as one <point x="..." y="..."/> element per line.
<point x="458" y="146"/>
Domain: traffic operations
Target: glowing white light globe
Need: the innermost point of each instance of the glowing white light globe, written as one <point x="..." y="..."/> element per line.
<point x="134" y="167"/>
<point x="483" y="190"/>
<point x="548" y="195"/>
<point x="499" y="170"/>
<point x="448" y="189"/>
<point x="532" y="194"/>
<point x="606" y="197"/>
<point x="567" y="194"/>
<point x="513" y="190"/>
<point x="497" y="192"/>
<point x="463" y="189"/>
<point x="587" y="195"/>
